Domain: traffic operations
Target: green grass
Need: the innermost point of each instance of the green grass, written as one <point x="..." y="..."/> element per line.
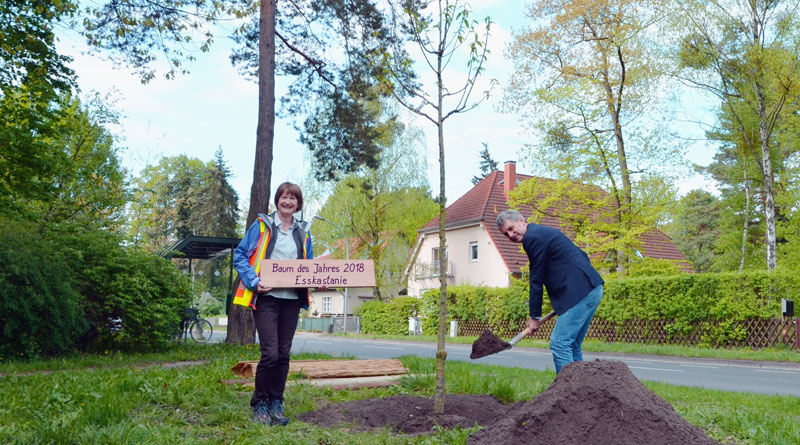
<point x="765" y="354"/>
<point x="105" y="399"/>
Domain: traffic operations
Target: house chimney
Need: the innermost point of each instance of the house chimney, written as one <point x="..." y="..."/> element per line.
<point x="509" y="176"/>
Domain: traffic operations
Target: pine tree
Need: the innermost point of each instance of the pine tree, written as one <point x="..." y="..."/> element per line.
<point x="488" y="164"/>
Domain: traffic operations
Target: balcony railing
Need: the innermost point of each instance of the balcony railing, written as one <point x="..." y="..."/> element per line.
<point x="431" y="270"/>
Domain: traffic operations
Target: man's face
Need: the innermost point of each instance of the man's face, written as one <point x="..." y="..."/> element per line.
<point x="514" y="230"/>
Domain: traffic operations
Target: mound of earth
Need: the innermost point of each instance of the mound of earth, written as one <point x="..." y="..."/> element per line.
<point x="593" y="402"/>
<point x="410" y="415"/>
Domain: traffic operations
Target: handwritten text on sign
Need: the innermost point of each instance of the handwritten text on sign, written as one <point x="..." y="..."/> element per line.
<point x="318" y="273"/>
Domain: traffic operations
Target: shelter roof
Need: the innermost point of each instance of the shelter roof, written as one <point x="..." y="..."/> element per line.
<point x="201" y="247"/>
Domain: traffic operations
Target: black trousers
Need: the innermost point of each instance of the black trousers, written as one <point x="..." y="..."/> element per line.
<point x="276" y="322"/>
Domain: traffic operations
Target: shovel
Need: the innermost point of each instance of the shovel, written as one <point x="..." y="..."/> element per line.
<point x="488" y="343"/>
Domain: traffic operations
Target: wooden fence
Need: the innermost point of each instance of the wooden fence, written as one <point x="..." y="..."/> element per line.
<point x="755" y="333"/>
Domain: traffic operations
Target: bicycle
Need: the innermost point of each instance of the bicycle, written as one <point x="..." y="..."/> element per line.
<point x="199" y="329"/>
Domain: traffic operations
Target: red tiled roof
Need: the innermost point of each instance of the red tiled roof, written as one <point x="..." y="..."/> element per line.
<point x="487" y="199"/>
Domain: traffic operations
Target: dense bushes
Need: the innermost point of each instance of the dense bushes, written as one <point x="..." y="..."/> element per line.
<point x="84" y="291"/>
<point x="133" y="299"/>
<point x="40" y="311"/>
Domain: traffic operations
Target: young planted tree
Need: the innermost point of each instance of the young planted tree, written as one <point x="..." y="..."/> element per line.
<point x="585" y="79"/>
<point x="746" y="53"/>
<point x="439" y="35"/>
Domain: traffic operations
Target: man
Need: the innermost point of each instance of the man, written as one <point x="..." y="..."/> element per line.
<point x="573" y="285"/>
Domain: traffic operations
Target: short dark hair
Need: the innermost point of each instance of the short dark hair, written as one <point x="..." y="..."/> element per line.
<point x="508" y="215"/>
<point x="293" y="189"/>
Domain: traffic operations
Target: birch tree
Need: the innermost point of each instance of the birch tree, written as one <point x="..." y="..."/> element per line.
<point x="746" y="53"/>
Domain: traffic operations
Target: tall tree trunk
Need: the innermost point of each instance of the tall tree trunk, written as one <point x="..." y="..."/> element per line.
<point x="746" y="220"/>
<point x="614" y="99"/>
<point x="241" y="328"/>
<point x="764" y="133"/>
<point x="441" y="353"/>
<point x="769" y="179"/>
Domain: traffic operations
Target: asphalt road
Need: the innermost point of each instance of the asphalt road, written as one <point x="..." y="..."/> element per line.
<point x="727" y="375"/>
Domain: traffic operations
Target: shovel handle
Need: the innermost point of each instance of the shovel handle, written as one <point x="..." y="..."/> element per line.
<point x="527" y="331"/>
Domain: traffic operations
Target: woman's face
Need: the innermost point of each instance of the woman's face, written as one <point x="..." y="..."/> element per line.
<point x="287" y="204"/>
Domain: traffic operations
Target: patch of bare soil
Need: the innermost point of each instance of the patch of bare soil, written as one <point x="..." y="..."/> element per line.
<point x="589" y="402"/>
<point x="410" y="415"/>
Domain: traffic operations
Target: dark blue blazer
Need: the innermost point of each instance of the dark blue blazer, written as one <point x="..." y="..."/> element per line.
<point x="558" y="264"/>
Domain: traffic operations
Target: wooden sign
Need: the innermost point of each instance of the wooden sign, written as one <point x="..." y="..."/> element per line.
<point x="318" y="273"/>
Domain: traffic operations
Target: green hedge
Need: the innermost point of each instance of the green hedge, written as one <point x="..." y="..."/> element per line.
<point x="388" y="317"/>
<point x="40" y="310"/>
<point x="490" y="304"/>
<point x="715" y="300"/>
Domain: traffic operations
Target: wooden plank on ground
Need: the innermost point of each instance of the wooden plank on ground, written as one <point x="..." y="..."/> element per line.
<point x="331" y="368"/>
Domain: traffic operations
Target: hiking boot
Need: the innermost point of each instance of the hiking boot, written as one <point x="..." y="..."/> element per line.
<point x="276" y="413"/>
<point x="261" y="413"/>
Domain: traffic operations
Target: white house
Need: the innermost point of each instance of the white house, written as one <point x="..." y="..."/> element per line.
<point x="477" y="253"/>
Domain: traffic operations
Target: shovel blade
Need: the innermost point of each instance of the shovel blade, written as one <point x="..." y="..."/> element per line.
<point x="488" y="344"/>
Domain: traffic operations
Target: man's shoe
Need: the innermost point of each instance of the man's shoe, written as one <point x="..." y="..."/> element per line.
<point x="261" y="413"/>
<point x="276" y="413"/>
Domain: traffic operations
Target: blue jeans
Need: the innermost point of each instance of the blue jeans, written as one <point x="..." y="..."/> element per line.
<point x="571" y="327"/>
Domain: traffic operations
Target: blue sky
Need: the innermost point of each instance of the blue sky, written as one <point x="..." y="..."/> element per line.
<point x="216" y="106"/>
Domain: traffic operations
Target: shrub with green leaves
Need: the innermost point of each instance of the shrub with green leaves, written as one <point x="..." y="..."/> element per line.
<point x="40" y="309"/>
<point x="388" y="317"/>
<point x="133" y="299"/>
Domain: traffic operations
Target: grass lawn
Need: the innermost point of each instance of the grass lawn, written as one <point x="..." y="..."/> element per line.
<point x="129" y="398"/>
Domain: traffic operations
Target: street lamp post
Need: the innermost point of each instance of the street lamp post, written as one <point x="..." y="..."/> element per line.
<point x="347" y="256"/>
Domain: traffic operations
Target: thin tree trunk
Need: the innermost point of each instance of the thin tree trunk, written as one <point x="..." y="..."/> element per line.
<point x="441" y="353"/>
<point x="241" y="328"/>
<point x="746" y="221"/>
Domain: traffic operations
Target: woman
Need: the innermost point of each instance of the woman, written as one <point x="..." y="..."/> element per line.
<point x="278" y="236"/>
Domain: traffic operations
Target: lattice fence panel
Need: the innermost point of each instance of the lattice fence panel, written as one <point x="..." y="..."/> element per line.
<point x="757" y="333"/>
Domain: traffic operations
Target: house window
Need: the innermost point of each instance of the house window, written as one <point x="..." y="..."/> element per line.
<point x="435" y="254"/>
<point x="473" y="251"/>
<point x="326" y="305"/>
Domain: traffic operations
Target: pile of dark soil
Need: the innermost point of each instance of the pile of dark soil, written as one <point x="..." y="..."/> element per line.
<point x="488" y="344"/>
<point x="593" y="402"/>
<point x="589" y="402"/>
<point x="410" y="415"/>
